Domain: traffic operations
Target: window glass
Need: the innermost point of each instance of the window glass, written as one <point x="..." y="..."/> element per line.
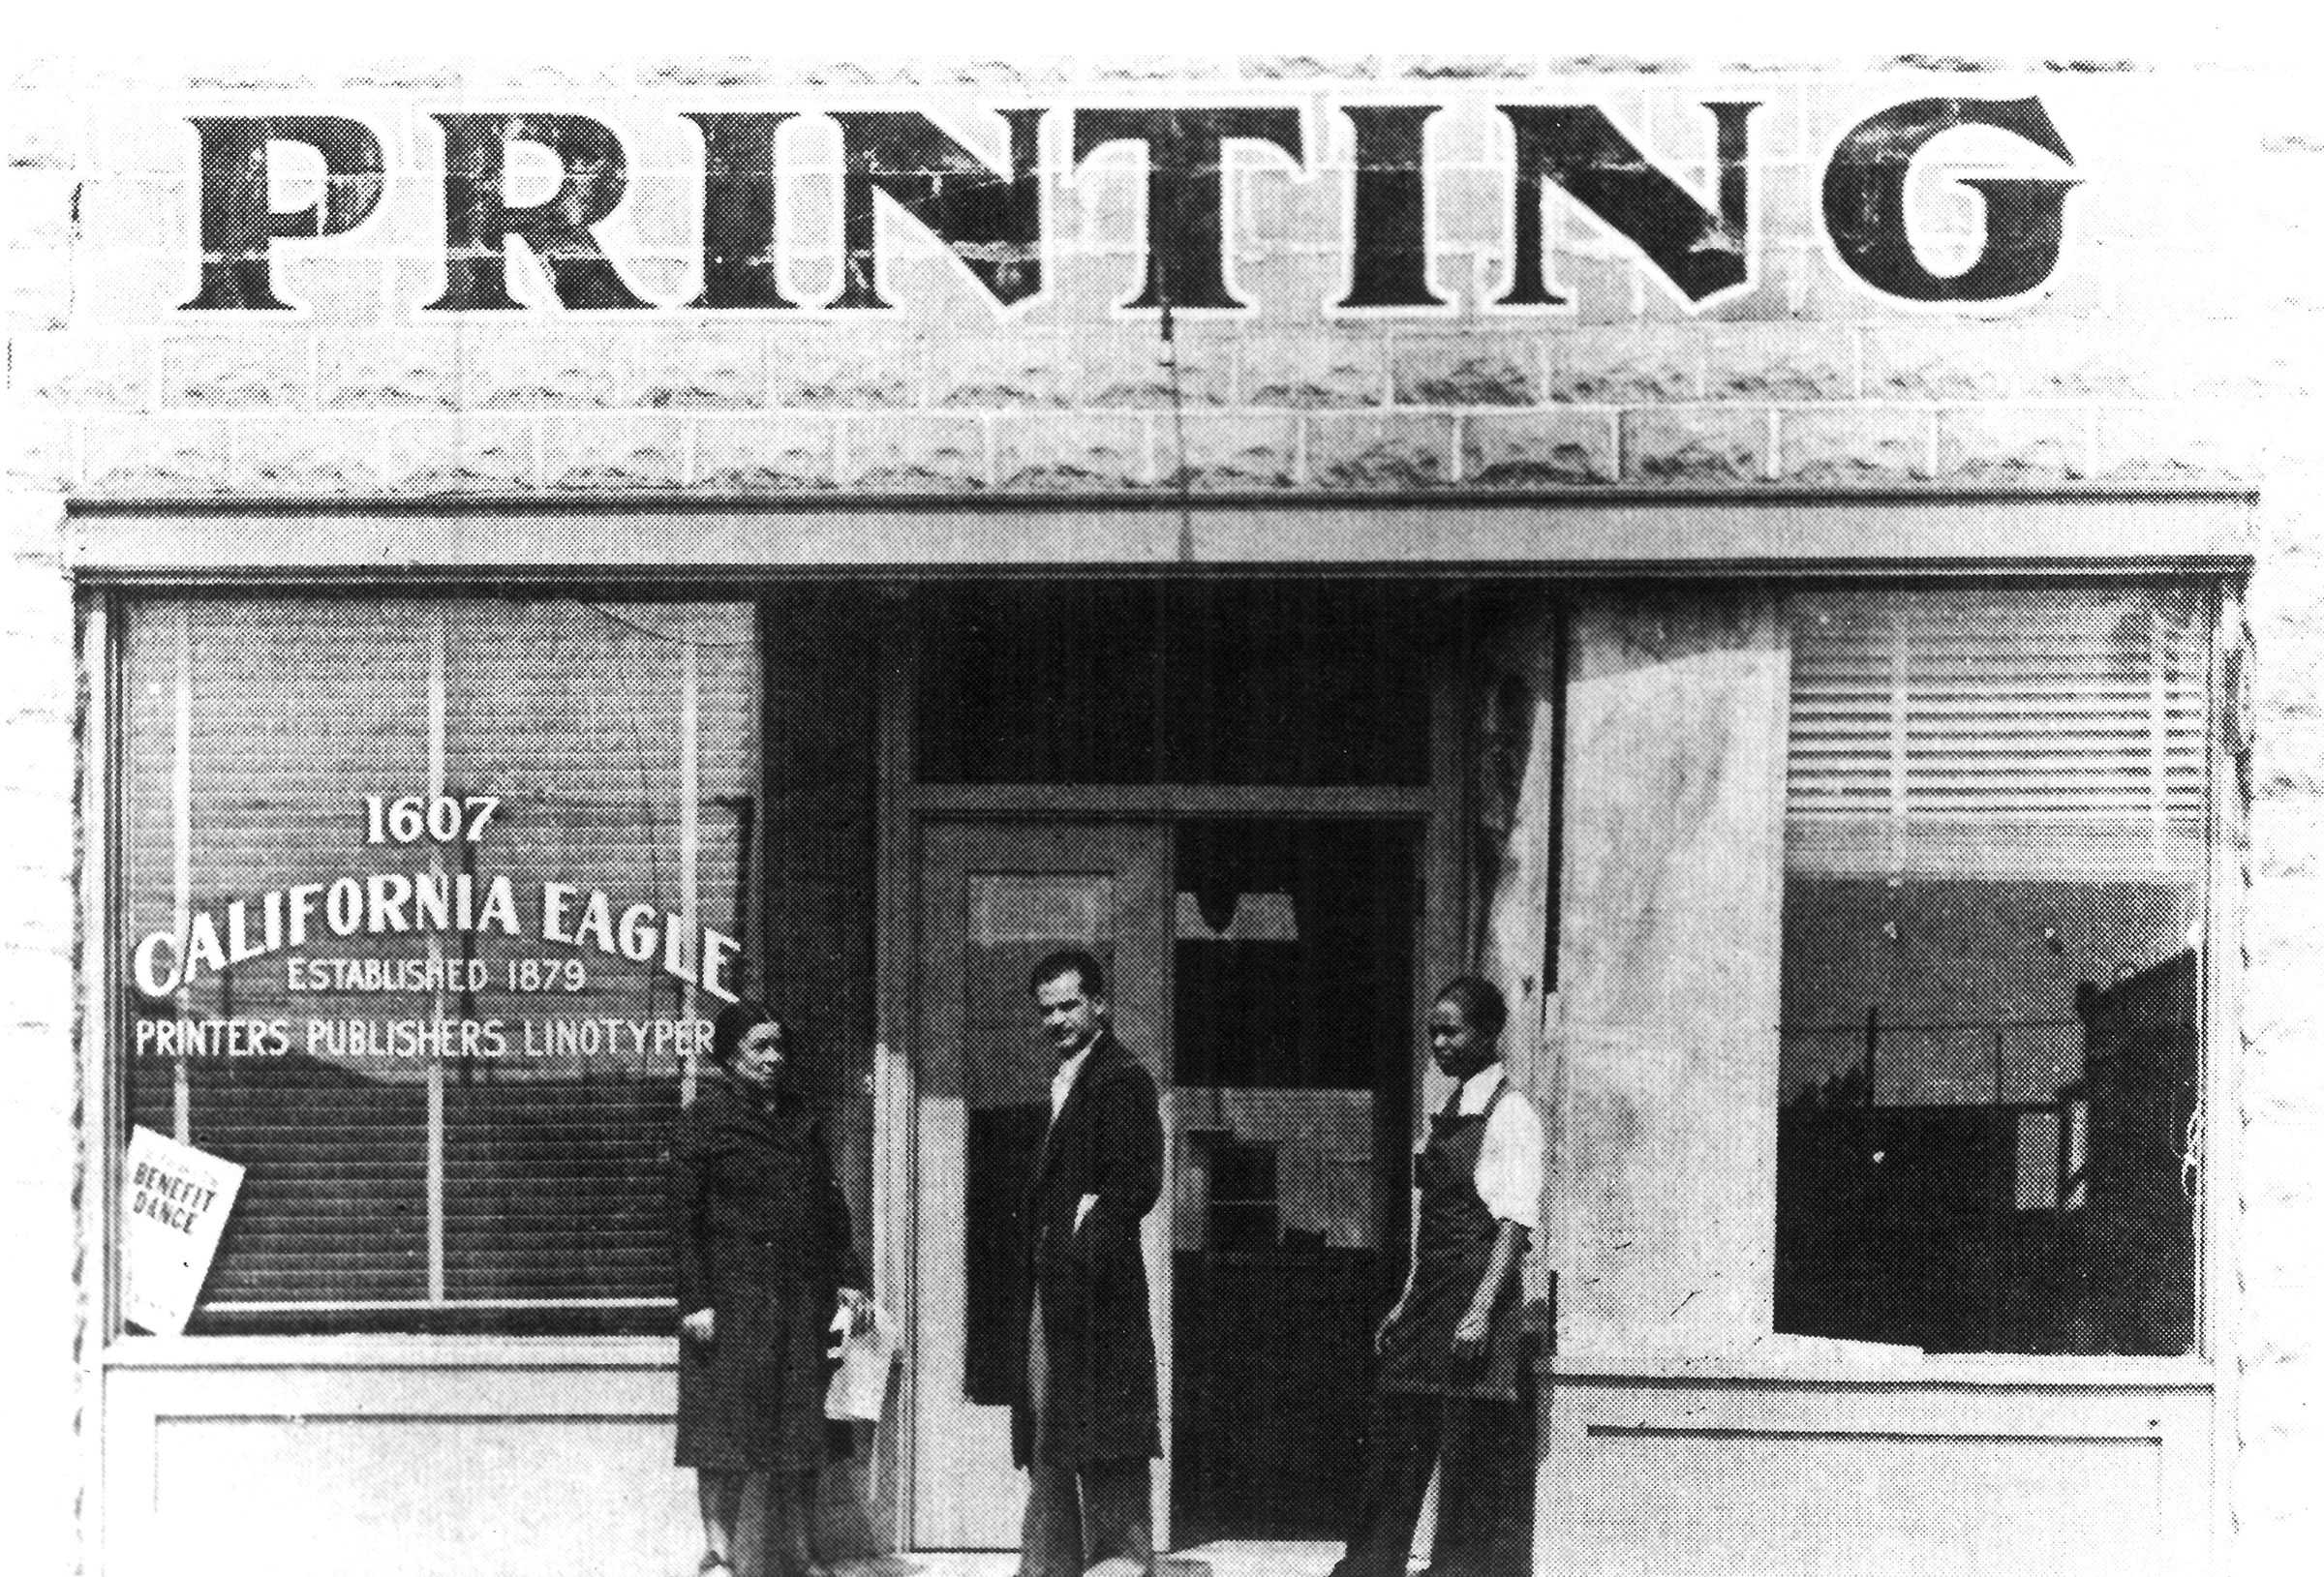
<point x="588" y="720"/>
<point x="456" y="870"/>
<point x="1290" y="1117"/>
<point x="1292" y="683"/>
<point x="235" y="719"/>
<point x="1995" y="836"/>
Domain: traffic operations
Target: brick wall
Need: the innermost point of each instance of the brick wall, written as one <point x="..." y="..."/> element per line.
<point x="2175" y="345"/>
<point x="1808" y="378"/>
<point x="2282" y="1357"/>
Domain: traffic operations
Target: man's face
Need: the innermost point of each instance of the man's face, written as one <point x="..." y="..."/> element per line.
<point x="1070" y="1016"/>
<point x="1459" y="1051"/>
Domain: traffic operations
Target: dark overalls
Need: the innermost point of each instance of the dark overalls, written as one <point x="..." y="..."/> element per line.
<point x="1475" y="1419"/>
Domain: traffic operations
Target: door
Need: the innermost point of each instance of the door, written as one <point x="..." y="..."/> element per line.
<point x="995" y="897"/>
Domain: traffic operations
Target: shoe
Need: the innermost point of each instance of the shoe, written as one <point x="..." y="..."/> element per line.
<point x="710" y="1562"/>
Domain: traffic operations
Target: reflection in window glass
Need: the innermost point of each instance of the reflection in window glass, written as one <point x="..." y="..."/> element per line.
<point x="1995" y="843"/>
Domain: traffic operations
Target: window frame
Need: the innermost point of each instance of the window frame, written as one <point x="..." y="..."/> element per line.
<point x="2223" y="886"/>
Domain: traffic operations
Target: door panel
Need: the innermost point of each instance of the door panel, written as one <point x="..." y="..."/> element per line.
<point x="995" y="897"/>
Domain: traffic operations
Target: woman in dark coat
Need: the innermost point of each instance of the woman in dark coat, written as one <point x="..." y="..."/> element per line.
<point x="765" y="1255"/>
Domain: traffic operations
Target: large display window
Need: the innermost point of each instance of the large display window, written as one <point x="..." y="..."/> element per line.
<point x="1999" y="821"/>
<point x="424" y="902"/>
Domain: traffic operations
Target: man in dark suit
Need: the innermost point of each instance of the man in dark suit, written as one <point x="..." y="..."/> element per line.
<point x="1086" y="1425"/>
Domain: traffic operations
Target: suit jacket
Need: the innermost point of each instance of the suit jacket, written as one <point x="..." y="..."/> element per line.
<point x="1105" y="1145"/>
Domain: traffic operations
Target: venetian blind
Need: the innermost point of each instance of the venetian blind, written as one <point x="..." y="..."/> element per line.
<point x="397" y="1189"/>
<point x="1999" y="732"/>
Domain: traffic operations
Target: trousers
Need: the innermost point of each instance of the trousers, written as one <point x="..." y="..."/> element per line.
<point x="1093" y="1517"/>
<point x="1482" y="1452"/>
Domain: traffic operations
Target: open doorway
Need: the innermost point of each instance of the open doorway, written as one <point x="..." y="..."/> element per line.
<point x="1292" y="985"/>
<point x="1226" y="791"/>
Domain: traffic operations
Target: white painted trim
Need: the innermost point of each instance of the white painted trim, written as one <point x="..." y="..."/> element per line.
<point x="348" y="1305"/>
<point x="1973" y="1371"/>
<point x="96" y="1287"/>
<point x="2219" y="1223"/>
<point x="1996" y="1371"/>
<point x="1585" y="1517"/>
<point x="393" y="1352"/>
<point x="894" y="1156"/>
<point x="393" y="1419"/>
<point x="1824" y="533"/>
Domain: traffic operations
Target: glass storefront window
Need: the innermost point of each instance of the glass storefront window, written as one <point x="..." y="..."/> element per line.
<point x="1288" y="683"/>
<point x="423" y="901"/>
<point x="1995" y="838"/>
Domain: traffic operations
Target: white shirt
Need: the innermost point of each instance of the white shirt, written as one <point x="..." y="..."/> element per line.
<point x="1062" y="1086"/>
<point x="1509" y="1163"/>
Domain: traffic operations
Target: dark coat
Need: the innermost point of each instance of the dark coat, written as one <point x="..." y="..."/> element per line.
<point x="760" y="1232"/>
<point x="1108" y="1142"/>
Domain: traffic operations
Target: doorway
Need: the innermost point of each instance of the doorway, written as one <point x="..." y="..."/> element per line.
<point x="1265" y="970"/>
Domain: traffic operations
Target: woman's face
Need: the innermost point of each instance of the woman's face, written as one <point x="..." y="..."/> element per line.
<point x="758" y="1058"/>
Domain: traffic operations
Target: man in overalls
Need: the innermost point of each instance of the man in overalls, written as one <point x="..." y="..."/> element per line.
<point x="1455" y="1387"/>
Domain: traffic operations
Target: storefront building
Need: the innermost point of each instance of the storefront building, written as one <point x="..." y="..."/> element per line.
<point x="1767" y="565"/>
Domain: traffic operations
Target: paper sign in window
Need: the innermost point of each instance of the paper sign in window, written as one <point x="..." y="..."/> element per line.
<point x="174" y="1203"/>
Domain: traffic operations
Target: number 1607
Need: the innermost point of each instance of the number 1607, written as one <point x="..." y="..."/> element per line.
<point x="444" y="819"/>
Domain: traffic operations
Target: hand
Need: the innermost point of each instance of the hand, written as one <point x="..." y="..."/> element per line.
<point x="1470" y="1335"/>
<point x="858" y="1305"/>
<point x="701" y="1325"/>
<point x="1380" y="1336"/>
